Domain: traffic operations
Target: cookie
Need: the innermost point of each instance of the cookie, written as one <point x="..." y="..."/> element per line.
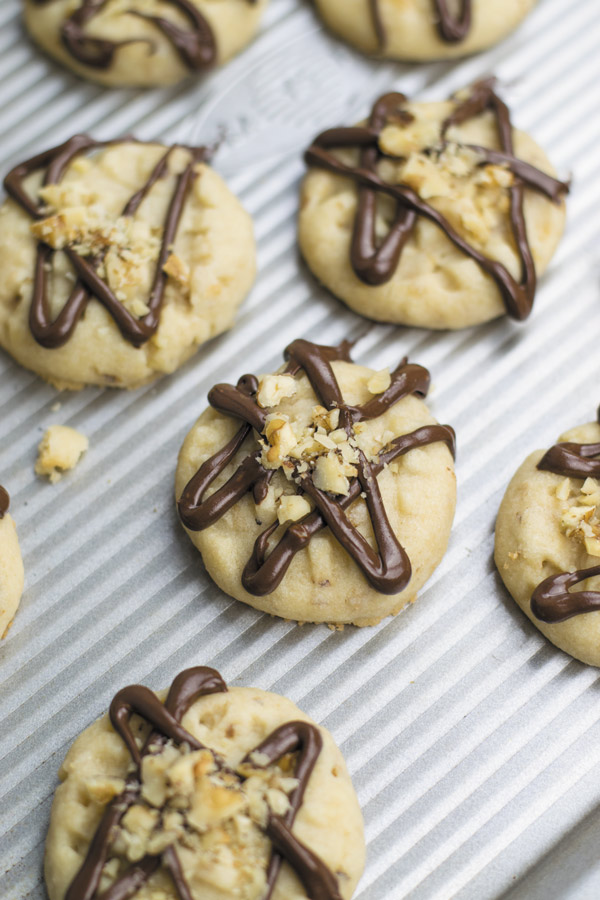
<point x="438" y="215"/>
<point x="118" y="258"/>
<point x="204" y="793"/>
<point x="142" y="43"/>
<point x="11" y="566"/>
<point x="423" y="29"/>
<point x="548" y="541"/>
<point x="322" y="493"/>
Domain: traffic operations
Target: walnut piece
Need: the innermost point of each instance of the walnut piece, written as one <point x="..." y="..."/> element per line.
<point x="292" y="508"/>
<point x="272" y="389"/>
<point x="379" y="382"/>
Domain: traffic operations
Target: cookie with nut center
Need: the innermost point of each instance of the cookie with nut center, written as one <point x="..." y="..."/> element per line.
<point x="431" y="214"/>
<point x="142" y="43"/>
<point x="548" y="526"/>
<point x="226" y="793"/>
<point x="320" y="510"/>
<point x="11" y="566"/>
<point x="423" y="29"/>
<point x="120" y="259"/>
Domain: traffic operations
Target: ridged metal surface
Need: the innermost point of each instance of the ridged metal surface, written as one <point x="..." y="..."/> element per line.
<point x="474" y="745"/>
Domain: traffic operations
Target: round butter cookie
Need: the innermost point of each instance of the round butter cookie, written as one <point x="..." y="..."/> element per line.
<point x="142" y="43"/>
<point x="119" y="258"/>
<point x="548" y="541"/>
<point x="438" y="215"/>
<point x="322" y="493"/>
<point x="423" y="29"/>
<point x="11" y="567"/>
<point x="204" y="793"/>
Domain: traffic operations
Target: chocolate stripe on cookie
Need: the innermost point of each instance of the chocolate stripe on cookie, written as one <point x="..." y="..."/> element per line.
<point x="54" y="333"/>
<point x="571" y="459"/>
<point x="4" y="502"/>
<point x="553" y="602"/>
<point x="300" y="738"/>
<point x="452" y="29"/>
<point x="388" y="569"/>
<point x="305" y="739"/>
<point x="375" y="261"/>
<point x="196" y="46"/>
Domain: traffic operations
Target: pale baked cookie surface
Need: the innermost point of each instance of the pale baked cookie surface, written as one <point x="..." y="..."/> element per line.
<point x="142" y="43"/>
<point x="413" y="163"/>
<point x="220" y="816"/>
<point x="11" y="567"/>
<point x="302" y="466"/>
<point x="164" y="252"/>
<point x="548" y="524"/>
<point x="419" y="29"/>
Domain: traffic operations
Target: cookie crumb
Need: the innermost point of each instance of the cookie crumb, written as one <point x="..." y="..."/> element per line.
<point x="60" y="448"/>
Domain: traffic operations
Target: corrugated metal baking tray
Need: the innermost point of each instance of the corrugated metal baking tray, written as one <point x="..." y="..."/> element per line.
<point x="474" y="745"/>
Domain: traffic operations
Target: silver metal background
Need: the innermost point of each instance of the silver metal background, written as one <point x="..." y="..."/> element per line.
<point x="474" y="745"/>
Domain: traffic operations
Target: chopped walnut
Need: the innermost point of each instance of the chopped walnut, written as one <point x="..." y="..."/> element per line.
<point x="328" y="419"/>
<point x="213" y="816"/>
<point x="292" y="508"/>
<point x="272" y="389"/>
<point x="379" y="382"/>
<point x="281" y="438"/>
<point x="580" y="519"/>
<point x="423" y="174"/>
<point x="331" y="474"/>
<point x="402" y="139"/>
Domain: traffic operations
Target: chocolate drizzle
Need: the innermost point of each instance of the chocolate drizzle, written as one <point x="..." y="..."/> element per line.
<point x="375" y="262"/>
<point x="52" y="334"/>
<point x="297" y="737"/>
<point x="4" y="502"/>
<point x="451" y="29"/>
<point x="195" y="45"/>
<point x="573" y="460"/>
<point x="552" y="601"/>
<point x="388" y="569"/>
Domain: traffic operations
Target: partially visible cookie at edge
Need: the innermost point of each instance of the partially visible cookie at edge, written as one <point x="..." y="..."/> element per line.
<point x="548" y="541"/>
<point x="324" y="492"/>
<point x="11" y="566"/>
<point x="143" y="43"/>
<point x="439" y="215"/>
<point x="207" y="792"/>
<point x="423" y="29"/>
<point x="119" y="259"/>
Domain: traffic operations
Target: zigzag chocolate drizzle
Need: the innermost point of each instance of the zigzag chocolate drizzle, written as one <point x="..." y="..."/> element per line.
<point x="196" y="46"/>
<point x="375" y="262"/>
<point x="388" y="570"/>
<point x="551" y="601"/>
<point x="292" y="737"/>
<point x="4" y="502"/>
<point x="452" y="29"/>
<point x="52" y="334"/>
